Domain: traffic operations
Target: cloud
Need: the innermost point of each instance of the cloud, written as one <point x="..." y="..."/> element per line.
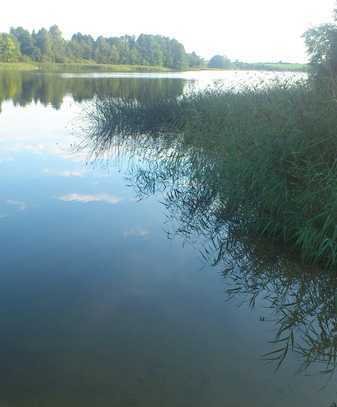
<point x="63" y="173"/>
<point x="136" y="232"/>
<point x="89" y="198"/>
<point x="18" y="204"/>
<point x="53" y="149"/>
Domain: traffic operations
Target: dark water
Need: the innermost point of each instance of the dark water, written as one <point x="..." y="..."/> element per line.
<point x="107" y="289"/>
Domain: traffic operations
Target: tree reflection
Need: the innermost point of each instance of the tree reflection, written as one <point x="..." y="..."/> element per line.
<point x="24" y="88"/>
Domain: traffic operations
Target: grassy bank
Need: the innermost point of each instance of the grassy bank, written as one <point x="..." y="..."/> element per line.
<point x="88" y="67"/>
<point x="260" y="66"/>
<point x="18" y="66"/>
<point x="287" y="67"/>
<point x="268" y="155"/>
<point x="280" y="67"/>
<point x="77" y="67"/>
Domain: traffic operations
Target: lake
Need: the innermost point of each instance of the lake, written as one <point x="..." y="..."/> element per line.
<point x="116" y="287"/>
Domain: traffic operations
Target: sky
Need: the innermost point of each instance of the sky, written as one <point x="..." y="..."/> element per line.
<point x="260" y="30"/>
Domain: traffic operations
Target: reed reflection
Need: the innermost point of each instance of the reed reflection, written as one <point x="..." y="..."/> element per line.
<point x="187" y="174"/>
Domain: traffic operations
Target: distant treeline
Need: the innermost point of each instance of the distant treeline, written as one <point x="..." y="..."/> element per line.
<point x="49" y="46"/>
<point x="269" y="66"/>
<point x="223" y="62"/>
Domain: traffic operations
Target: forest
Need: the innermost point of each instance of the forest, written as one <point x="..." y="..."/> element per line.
<point x="49" y="46"/>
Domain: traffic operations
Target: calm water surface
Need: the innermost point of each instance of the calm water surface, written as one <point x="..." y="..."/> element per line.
<point x="103" y="302"/>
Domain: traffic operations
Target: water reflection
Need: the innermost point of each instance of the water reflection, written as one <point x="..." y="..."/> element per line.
<point x="24" y="88"/>
<point x="98" y="307"/>
<point x="187" y="175"/>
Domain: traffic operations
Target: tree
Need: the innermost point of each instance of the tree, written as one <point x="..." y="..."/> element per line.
<point x="25" y="40"/>
<point x="220" y="62"/>
<point x="43" y="42"/>
<point x="105" y="52"/>
<point x="50" y="46"/>
<point x="150" y="50"/>
<point x="81" y="47"/>
<point x="179" y="55"/>
<point x="321" y="43"/>
<point x="9" y="48"/>
<point x="194" y="60"/>
<point x="58" y="44"/>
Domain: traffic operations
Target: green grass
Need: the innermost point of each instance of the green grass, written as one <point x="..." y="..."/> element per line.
<point x="268" y="154"/>
<point x="281" y="66"/>
<point x="18" y="66"/>
<point x="93" y="67"/>
<point x="260" y="66"/>
<point x="287" y="67"/>
<point x="79" y="67"/>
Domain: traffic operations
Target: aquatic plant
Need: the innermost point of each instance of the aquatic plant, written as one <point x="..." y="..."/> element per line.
<point x="300" y="301"/>
<point x="268" y="152"/>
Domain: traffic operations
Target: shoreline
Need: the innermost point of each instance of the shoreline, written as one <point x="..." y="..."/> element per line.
<point x="87" y="67"/>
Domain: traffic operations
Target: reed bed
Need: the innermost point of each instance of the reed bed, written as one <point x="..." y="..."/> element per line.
<point x="269" y="153"/>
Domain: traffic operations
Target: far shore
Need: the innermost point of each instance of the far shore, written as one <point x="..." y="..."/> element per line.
<point x="88" y="67"/>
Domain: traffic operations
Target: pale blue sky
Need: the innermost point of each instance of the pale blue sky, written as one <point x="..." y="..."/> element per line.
<point x="260" y="30"/>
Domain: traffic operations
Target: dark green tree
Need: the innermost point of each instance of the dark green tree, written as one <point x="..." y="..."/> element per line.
<point x="43" y="42"/>
<point x="219" y="62"/>
<point x="194" y="60"/>
<point x="81" y="47"/>
<point x="150" y="49"/>
<point x="58" y="44"/>
<point x="9" y="48"/>
<point x="321" y="43"/>
<point x="50" y="46"/>
<point x="25" y="40"/>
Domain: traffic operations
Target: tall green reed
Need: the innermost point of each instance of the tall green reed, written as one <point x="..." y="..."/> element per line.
<point x="268" y="153"/>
